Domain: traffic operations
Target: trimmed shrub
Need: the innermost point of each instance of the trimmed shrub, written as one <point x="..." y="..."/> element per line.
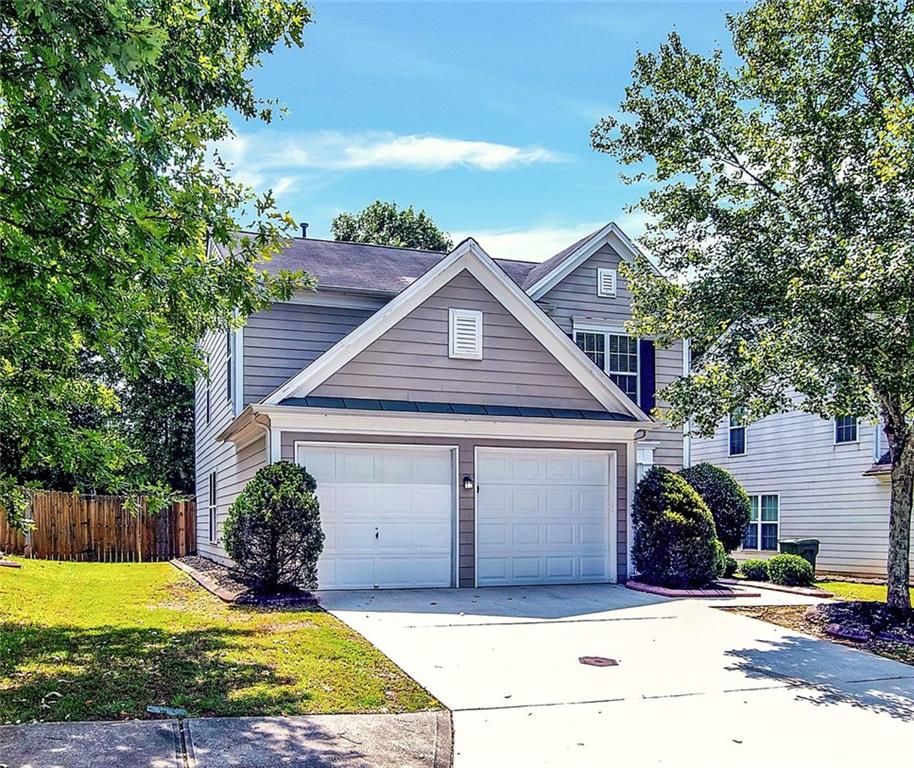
<point x="720" y="560"/>
<point x="674" y="537"/>
<point x="754" y="570"/>
<point x="273" y="530"/>
<point x="731" y="567"/>
<point x="791" y="571"/>
<point x="726" y="498"/>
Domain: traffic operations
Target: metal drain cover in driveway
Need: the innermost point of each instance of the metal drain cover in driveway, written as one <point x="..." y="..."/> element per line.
<point x="598" y="661"/>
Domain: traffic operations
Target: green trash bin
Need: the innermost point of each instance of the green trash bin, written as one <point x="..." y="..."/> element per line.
<point x="805" y="548"/>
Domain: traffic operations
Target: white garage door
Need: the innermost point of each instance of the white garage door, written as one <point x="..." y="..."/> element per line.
<point x="387" y="514"/>
<point x="543" y="517"/>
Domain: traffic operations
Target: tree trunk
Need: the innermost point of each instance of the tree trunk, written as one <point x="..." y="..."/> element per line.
<point x="901" y="448"/>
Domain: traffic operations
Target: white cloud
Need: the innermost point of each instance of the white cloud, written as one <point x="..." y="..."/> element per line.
<point x="539" y="243"/>
<point x="253" y="154"/>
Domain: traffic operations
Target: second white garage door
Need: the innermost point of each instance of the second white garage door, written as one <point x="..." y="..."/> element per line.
<point x="386" y="512"/>
<point x="543" y="516"/>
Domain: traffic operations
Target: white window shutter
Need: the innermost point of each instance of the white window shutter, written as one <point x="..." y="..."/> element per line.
<point x="606" y="282"/>
<point x="465" y="333"/>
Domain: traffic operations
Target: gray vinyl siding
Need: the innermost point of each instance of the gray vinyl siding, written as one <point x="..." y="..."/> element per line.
<point x="233" y="466"/>
<point x="410" y="361"/>
<point x="575" y="297"/>
<point x="282" y="340"/>
<point x="466" y="447"/>
<point x="823" y="491"/>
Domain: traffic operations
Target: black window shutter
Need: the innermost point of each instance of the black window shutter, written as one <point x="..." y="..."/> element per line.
<point x="648" y="379"/>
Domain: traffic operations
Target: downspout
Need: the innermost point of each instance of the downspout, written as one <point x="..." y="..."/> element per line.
<point x="268" y="435"/>
<point x="631" y="472"/>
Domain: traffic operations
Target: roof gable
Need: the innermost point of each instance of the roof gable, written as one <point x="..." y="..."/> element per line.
<point x="468" y="256"/>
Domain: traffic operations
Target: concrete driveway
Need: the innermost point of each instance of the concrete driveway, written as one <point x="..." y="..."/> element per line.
<point x="693" y="685"/>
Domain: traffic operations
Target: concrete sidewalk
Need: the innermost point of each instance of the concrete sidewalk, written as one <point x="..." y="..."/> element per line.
<point x="421" y="740"/>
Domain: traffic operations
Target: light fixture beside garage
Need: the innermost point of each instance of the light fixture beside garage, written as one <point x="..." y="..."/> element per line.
<point x="467" y="483"/>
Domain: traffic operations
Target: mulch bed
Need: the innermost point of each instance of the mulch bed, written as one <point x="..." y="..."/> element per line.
<point x="864" y="625"/>
<point x="224" y="583"/>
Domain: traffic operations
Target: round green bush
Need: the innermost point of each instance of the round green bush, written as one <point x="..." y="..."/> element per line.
<point x="273" y="530"/>
<point x="791" y="571"/>
<point x="731" y="567"/>
<point x="674" y="537"/>
<point x="755" y="570"/>
<point x="727" y="499"/>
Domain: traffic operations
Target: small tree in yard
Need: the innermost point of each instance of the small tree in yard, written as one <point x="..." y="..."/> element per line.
<point x="784" y="206"/>
<point x="675" y="544"/>
<point x="727" y="499"/>
<point x="273" y="530"/>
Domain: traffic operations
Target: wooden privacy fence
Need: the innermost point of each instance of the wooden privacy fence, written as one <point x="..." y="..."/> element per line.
<point x="69" y="526"/>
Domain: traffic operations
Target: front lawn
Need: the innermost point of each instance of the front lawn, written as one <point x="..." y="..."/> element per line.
<point x="846" y="590"/>
<point x="101" y="641"/>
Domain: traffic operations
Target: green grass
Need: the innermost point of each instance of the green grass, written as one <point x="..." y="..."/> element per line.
<point x="101" y="641"/>
<point x="846" y="590"/>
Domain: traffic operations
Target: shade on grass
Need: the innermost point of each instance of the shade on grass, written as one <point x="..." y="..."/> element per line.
<point x="99" y="641"/>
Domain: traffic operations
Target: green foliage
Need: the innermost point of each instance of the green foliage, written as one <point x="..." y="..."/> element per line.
<point x="674" y="540"/>
<point x="731" y="567"/>
<point x="727" y="499"/>
<point x="790" y="570"/>
<point x="384" y="224"/>
<point x="108" y="211"/>
<point x="273" y="530"/>
<point x="781" y="202"/>
<point x="754" y="570"/>
<point x="720" y="559"/>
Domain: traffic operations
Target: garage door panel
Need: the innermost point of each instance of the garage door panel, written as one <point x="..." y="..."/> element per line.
<point x="387" y="515"/>
<point x="551" y="528"/>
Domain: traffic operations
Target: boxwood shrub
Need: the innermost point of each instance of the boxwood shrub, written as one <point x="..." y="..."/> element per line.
<point x="754" y="570"/>
<point x="726" y="498"/>
<point x="674" y="536"/>
<point x="731" y="567"/>
<point x="791" y="571"/>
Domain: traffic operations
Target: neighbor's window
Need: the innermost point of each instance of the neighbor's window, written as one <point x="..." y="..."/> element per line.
<point x="614" y="353"/>
<point x="737" y="434"/>
<point x="211" y="501"/>
<point x="762" y="532"/>
<point x="229" y="350"/>
<point x="846" y="429"/>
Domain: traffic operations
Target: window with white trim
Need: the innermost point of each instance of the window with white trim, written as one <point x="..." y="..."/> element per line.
<point x="846" y="429"/>
<point x="614" y="353"/>
<point x="465" y="332"/>
<point x="762" y="531"/>
<point x="211" y="508"/>
<point x="736" y="434"/>
<point x="229" y="365"/>
<point x="606" y="282"/>
<point x="645" y="461"/>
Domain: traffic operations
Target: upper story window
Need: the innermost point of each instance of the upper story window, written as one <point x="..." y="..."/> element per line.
<point x="762" y="532"/>
<point x="846" y="429"/>
<point x="737" y="434"/>
<point x="465" y="333"/>
<point x="606" y="282"/>
<point x="616" y="354"/>
<point x="229" y="362"/>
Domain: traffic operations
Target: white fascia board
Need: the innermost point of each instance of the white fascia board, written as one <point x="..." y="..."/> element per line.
<point x="611" y="234"/>
<point x="336" y="421"/>
<point x="334" y="358"/>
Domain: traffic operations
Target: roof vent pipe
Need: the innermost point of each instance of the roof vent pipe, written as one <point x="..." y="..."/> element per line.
<point x="304" y="228"/>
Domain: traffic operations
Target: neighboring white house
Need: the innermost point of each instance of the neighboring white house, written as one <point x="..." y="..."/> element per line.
<point x="809" y="477"/>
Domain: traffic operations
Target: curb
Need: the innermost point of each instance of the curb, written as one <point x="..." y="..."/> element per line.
<point x="206" y="582"/>
<point x="640" y="586"/>
<point x="805" y="591"/>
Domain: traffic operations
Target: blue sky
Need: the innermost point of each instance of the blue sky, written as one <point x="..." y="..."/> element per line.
<point x="478" y="112"/>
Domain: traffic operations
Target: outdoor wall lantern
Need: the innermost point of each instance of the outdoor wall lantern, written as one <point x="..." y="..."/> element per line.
<point x="467" y="483"/>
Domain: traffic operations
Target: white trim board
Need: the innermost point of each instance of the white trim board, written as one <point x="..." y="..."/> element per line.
<point x="468" y="256"/>
<point x="611" y="235"/>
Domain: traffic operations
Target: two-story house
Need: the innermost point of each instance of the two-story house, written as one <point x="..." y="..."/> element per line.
<point x="469" y="421"/>
<point x="812" y="478"/>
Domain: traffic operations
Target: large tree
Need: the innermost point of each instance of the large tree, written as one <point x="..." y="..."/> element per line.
<point x="385" y="224"/>
<point x="783" y="200"/>
<point x="108" y="203"/>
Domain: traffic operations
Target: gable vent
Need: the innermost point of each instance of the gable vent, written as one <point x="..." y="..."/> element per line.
<point x="465" y="333"/>
<point x="606" y="282"/>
